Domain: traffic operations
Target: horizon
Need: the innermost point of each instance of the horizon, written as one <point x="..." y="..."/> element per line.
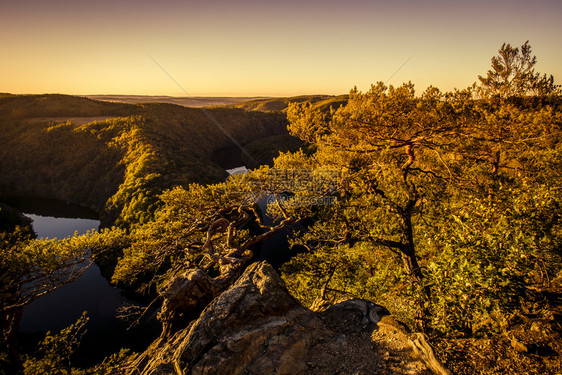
<point x="263" y="48"/>
<point x="172" y="96"/>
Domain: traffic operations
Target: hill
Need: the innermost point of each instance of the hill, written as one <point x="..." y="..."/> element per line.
<point x="116" y="158"/>
<point x="17" y="107"/>
<point x="323" y="102"/>
<point x="194" y="101"/>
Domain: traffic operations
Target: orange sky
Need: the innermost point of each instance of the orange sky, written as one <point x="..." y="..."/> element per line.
<point x="269" y="48"/>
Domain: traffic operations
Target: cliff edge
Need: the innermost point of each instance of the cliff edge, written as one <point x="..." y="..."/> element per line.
<point x="257" y="327"/>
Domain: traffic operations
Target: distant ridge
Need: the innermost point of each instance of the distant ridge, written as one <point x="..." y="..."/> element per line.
<point x="197" y="101"/>
<point x="322" y="102"/>
<point x="255" y="103"/>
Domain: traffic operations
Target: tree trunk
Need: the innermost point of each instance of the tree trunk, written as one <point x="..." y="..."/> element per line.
<point x="412" y="268"/>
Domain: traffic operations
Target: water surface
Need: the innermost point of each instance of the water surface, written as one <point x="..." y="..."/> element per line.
<point x="91" y="292"/>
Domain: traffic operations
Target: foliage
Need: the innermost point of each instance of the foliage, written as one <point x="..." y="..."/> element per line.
<point x="513" y="74"/>
<point x="54" y="354"/>
<point x="160" y="244"/>
<point x="32" y="268"/>
<point x="56" y="350"/>
<point x="322" y="102"/>
<point x="490" y="257"/>
<point x="389" y="146"/>
<point x="202" y="227"/>
<point x="462" y="192"/>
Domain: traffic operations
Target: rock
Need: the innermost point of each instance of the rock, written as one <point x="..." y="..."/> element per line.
<point x="257" y="327"/>
<point x="187" y="291"/>
<point x="356" y="313"/>
<point x="184" y="294"/>
<point x="255" y="316"/>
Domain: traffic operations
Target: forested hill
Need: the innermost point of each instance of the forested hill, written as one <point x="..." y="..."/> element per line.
<point x="116" y="158"/>
<point x="322" y="102"/>
<point x="53" y="105"/>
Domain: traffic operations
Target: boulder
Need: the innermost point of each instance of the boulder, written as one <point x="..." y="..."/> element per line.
<point x="257" y="327"/>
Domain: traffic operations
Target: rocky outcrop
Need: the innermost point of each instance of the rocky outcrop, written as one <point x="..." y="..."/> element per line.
<point x="257" y="327"/>
<point x="183" y="295"/>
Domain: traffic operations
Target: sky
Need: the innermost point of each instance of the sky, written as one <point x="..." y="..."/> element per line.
<point x="264" y="48"/>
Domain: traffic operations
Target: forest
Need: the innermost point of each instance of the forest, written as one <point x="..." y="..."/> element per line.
<point x="443" y="207"/>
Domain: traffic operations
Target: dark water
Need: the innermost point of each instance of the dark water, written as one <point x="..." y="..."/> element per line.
<point x="91" y="292"/>
<point x="61" y="227"/>
<point x="277" y="250"/>
<point x="51" y="208"/>
<point x="228" y="157"/>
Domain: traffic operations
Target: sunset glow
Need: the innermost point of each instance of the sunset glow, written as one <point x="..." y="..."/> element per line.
<point x="246" y="48"/>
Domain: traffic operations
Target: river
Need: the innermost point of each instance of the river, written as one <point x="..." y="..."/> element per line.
<point x="91" y="292"/>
